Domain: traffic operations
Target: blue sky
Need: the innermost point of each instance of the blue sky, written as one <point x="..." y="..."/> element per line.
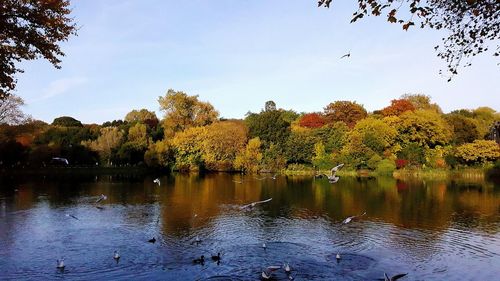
<point x="239" y="54"/>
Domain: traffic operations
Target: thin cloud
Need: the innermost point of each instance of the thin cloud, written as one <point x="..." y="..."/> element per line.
<point x="61" y="86"/>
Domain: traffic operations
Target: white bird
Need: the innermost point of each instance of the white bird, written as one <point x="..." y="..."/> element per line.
<point x="349" y="219"/>
<point x="157" y="181"/>
<point x="286" y="266"/>
<point x="251" y="205"/>
<point x="266" y="275"/>
<point x="264" y="246"/>
<point x="116" y="256"/>
<point x="274" y="177"/>
<point x="337" y="256"/>
<point x="60" y="263"/>
<point x="197" y="239"/>
<point x="395" y="277"/>
<point x="333" y="178"/>
<point x="102" y="197"/>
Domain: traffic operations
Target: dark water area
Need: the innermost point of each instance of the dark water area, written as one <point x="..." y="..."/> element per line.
<point x="430" y="229"/>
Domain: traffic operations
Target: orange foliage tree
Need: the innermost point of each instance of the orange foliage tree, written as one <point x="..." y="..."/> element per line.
<point x="398" y="107"/>
<point x="346" y="111"/>
<point x="312" y="120"/>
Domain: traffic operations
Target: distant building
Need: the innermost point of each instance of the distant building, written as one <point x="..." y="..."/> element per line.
<point x="495" y="132"/>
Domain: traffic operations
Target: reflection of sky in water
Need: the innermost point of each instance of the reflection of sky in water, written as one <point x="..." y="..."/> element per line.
<point x="431" y="229"/>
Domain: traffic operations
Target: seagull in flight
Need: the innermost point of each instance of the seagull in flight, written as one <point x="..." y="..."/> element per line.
<point x="349" y="219"/>
<point x="346" y="55"/>
<point x="157" y="181"/>
<point x="102" y="197"/>
<point x="333" y="178"/>
<point x="253" y="204"/>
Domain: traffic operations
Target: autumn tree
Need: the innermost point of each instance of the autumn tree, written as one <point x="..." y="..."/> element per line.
<point x="421" y="102"/>
<point x="478" y="152"/>
<point x="110" y="139"/>
<point x="183" y="111"/>
<point x="160" y="154"/>
<point x="142" y="115"/>
<point x="221" y="142"/>
<point x="464" y="128"/>
<point x="321" y="159"/>
<point x="188" y="146"/>
<point x="312" y="120"/>
<point x="425" y="127"/>
<point x="10" y="110"/>
<point x="398" y="107"/>
<point x="376" y="134"/>
<point x="345" y="111"/>
<point x="30" y="30"/>
<point x="485" y="117"/>
<point x="471" y="24"/>
<point x="249" y="158"/>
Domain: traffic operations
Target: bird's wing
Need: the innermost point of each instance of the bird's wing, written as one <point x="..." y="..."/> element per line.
<point x="396" y="277"/>
<point x="74" y="217"/>
<point x="386" y="278"/>
<point x="263" y="201"/>
<point x="273" y="267"/>
<point x="336" y="168"/>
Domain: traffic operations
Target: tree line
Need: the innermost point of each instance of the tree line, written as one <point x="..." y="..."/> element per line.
<point x="410" y="132"/>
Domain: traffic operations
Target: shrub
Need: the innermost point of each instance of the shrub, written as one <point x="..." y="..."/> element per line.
<point x="385" y="167"/>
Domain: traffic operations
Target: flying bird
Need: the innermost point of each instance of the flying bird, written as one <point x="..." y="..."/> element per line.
<point x="266" y="275"/>
<point x="157" y="181"/>
<point x="102" y="197"/>
<point x="253" y="204"/>
<point x="349" y="219"/>
<point x="332" y="178"/>
<point x="346" y="55"/>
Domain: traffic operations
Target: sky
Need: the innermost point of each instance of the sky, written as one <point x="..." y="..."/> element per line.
<point x="239" y="54"/>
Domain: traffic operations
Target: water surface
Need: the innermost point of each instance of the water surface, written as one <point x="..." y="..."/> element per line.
<point x="432" y="230"/>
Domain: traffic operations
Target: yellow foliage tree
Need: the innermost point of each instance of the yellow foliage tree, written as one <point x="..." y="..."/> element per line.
<point x="477" y="152"/>
<point x="249" y="158"/>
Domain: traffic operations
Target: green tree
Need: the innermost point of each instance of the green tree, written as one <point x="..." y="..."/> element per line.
<point x="321" y="159"/>
<point x="345" y="111"/>
<point x="272" y="159"/>
<point x="249" y="159"/>
<point x="299" y="148"/>
<point x="413" y="153"/>
<point x="332" y="136"/>
<point x="269" y="127"/>
<point x="66" y="121"/>
<point x="31" y="30"/>
<point x="183" y="112"/>
<point x="464" y="128"/>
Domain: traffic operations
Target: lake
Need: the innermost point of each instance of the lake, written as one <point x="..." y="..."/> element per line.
<point x="430" y="229"/>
